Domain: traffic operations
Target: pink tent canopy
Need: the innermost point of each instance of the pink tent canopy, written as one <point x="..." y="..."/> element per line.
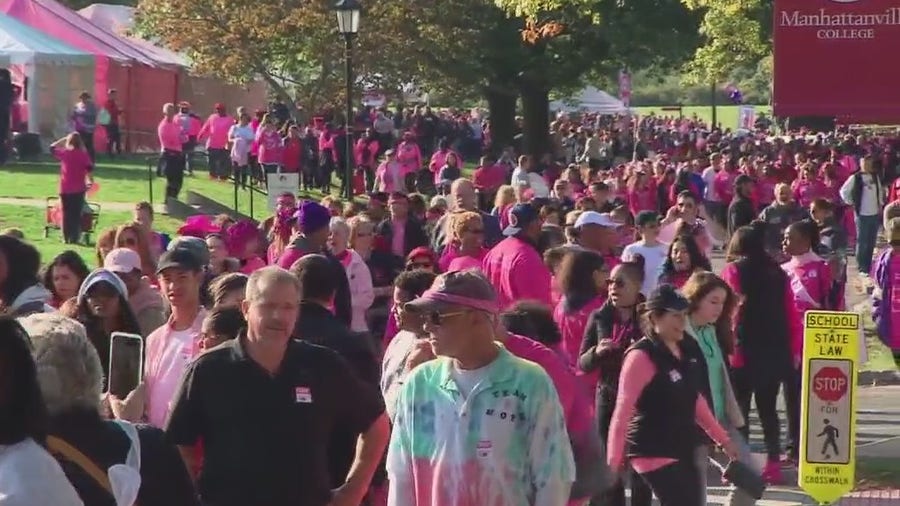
<point x="63" y="23"/>
<point x="121" y="64"/>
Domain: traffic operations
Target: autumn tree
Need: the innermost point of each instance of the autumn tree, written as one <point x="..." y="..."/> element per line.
<point x="293" y="45"/>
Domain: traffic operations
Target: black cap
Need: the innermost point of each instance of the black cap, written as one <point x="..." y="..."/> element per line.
<point x="666" y="298"/>
<point x="179" y="258"/>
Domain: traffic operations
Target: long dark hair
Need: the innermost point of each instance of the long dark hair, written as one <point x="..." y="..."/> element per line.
<point x="533" y="320"/>
<point x="27" y="261"/>
<point x="23" y="413"/>
<point x="576" y="280"/>
<point x="95" y="331"/>
<point x="698" y="259"/>
<point x="72" y="261"/>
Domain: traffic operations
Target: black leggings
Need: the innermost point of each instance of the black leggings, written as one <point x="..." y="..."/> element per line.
<point x="765" y="391"/>
<point x="173" y="168"/>
<point x="792" y="402"/>
<point x="72" y="206"/>
<point x="676" y="484"/>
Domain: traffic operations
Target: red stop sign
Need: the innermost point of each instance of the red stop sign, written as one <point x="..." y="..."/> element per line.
<point x="830" y="384"/>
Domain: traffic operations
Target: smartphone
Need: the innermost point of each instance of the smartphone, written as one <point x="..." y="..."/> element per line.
<point x="126" y="363"/>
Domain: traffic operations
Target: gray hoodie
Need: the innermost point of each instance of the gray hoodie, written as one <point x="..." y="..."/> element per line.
<point x="32" y="300"/>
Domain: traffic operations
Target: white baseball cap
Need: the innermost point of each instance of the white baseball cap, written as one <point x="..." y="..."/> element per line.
<point x="595" y="218"/>
<point x="122" y="260"/>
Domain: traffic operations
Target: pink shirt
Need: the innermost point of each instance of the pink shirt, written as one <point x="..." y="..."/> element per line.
<point x="637" y="371"/>
<point x="465" y="262"/>
<point x="489" y="177"/>
<point x="169" y="133"/>
<point x="409" y="156"/>
<point x="439" y="159"/>
<point x="271" y="149"/>
<point x="571" y="325"/>
<point x="517" y="272"/>
<point x="894" y="303"/>
<point x="642" y="200"/>
<point x="216" y="129"/>
<point x="167" y="356"/>
<point x="253" y="264"/>
<point x="74" y="166"/>
<point x="576" y="405"/>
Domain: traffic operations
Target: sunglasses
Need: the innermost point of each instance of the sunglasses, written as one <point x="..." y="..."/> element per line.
<point x="437" y="318"/>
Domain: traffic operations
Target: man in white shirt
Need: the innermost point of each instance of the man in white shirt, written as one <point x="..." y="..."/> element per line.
<point x="525" y="176"/>
<point x="864" y="192"/>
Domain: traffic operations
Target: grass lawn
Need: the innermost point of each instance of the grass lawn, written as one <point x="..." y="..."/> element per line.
<point x="31" y="221"/>
<point x="125" y="180"/>
<point x="877" y="473"/>
<point x="727" y="115"/>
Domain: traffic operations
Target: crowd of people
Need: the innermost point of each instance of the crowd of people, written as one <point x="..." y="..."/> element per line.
<point x="548" y="331"/>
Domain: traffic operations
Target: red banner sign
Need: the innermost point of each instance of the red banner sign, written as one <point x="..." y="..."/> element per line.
<point x="837" y="58"/>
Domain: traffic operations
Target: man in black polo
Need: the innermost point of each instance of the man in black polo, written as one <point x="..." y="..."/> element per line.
<point x="264" y="406"/>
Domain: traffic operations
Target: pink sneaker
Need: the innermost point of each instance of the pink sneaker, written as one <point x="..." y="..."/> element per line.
<point x="772" y="473"/>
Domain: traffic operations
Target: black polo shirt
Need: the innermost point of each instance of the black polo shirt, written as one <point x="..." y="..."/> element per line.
<point x="265" y="438"/>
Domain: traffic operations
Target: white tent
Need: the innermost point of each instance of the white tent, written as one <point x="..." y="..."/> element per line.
<point x="590" y="99"/>
<point x="54" y="74"/>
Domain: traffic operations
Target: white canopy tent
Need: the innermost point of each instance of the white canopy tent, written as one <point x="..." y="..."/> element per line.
<point x="590" y="99"/>
<point x="54" y="74"/>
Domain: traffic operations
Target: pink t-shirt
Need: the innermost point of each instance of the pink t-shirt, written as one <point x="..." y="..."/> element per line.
<point x="253" y="264"/>
<point x="169" y="133"/>
<point x="465" y="262"/>
<point x="271" y="148"/>
<point x="517" y="271"/>
<point x="894" y="307"/>
<point x="74" y="166"/>
<point x="571" y="325"/>
<point x="168" y="354"/>
<point x="575" y="404"/>
<point x="216" y="129"/>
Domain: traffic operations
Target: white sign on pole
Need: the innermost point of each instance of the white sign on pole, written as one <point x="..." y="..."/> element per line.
<point x="279" y="184"/>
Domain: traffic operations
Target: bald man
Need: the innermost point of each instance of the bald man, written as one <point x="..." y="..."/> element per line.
<point x="462" y="198"/>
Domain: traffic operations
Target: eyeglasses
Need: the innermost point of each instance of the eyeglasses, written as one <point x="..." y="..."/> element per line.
<point x="437" y="318"/>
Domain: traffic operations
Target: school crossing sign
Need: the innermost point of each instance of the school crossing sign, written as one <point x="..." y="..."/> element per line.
<point x="831" y="342"/>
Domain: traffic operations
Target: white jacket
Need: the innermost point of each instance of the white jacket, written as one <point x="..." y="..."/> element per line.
<point x="362" y="294"/>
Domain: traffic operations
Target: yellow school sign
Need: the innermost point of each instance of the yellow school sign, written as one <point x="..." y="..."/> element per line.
<point x="831" y="344"/>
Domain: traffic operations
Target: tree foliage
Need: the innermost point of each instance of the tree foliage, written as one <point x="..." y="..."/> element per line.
<point x="735" y="34"/>
<point x="292" y="44"/>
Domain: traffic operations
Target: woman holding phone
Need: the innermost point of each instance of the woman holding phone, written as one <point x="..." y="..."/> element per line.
<point x="102" y="307"/>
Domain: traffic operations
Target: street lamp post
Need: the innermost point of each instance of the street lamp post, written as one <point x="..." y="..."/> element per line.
<point x="348" y="24"/>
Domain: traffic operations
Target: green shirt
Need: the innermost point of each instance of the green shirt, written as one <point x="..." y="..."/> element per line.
<point x="715" y="364"/>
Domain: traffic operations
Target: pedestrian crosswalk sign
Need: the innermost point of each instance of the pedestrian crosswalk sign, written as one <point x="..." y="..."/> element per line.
<point x="831" y="342"/>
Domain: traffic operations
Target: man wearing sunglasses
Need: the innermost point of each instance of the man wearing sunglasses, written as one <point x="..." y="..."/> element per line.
<point x="477" y="425"/>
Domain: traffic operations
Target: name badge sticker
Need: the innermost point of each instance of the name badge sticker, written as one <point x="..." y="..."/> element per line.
<point x="483" y="449"/>
<point x="302" y="395"/>
<point x="675" y="376"/>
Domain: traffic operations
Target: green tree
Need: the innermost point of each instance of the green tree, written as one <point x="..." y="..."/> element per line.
<point x="735" y="34"/>
<point x="293" y="45"/>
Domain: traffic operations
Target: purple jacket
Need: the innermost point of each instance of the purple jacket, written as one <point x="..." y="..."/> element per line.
<point x="881" y="311"/>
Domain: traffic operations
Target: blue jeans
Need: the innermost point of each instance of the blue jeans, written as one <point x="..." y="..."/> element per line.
<point x="866" y="234"/>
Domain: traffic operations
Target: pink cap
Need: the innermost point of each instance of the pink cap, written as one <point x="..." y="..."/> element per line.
<point x="122" y="260"/>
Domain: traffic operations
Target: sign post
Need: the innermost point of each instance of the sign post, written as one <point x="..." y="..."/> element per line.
<point x="831" y="343"/>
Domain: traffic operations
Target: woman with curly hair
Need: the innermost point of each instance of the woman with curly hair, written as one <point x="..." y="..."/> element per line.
<point x="465" y="238"/>
<point x="63" y="276"/>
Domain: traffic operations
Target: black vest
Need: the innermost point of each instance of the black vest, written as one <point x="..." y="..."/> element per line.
<point x="664" y="422"/>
